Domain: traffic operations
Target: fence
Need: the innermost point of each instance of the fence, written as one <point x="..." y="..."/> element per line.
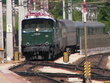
<point x="95" y="44"/>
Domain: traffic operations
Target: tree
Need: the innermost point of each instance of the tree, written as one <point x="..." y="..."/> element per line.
<point x="56" y="9"/>
<point x="77" y="15"/>
<point x="104" y="16"/>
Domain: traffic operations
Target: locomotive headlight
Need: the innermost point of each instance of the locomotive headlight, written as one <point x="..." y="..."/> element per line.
<point x="37" y="29"/>
<point x="46" y="36"/>
<point x="46" y="43"/>
<point x="24" y="31"/>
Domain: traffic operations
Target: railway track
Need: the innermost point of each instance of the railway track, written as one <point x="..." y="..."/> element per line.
<point x="98" y="72"/>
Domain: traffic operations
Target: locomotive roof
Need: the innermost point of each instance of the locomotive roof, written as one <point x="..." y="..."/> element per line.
<point x="89" y="24"/>
<point x="39" y="18"/>
<point x="80" y="24"/>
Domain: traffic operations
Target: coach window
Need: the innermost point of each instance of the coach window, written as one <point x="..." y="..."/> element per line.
<point x="89" y="31"/>
<point x="40" y="24"/>
<point x="92" y="31"/>
<point x="26" y="26"/>
<point x="57" y="25"/>
<point x="101" y="30"/>
<point x="97" y="31"/>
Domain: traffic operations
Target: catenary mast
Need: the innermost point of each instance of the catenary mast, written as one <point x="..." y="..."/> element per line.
<point x="1" y="31"/>
<point x="22" y="13"/>
<point x="1" y="27"/>
<point x="9" y="31"/>
<point x="64" y="14"/>
<point x="70" y="9"/>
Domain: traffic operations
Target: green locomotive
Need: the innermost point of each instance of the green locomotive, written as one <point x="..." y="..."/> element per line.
<point x="40" y="37"/>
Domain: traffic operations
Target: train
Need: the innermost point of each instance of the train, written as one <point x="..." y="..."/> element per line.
<point x="45" y="38"/>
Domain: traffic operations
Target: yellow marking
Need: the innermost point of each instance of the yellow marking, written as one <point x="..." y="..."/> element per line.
<point x="66" y="57"/>
<point x="16" y="56"/>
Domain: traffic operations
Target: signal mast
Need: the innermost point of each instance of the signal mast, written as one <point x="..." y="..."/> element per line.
<point x="87" y="67"/>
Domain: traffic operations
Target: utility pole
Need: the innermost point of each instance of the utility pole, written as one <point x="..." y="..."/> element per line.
<point x="21" y="16"/>
<point x="1" y="28"/>
<point x="25" y="7"/>
<point x="13" y="20"/>
<point x="44" y="4"/>
<point x="34" y="6"/>
<point x="64" y="14"/>
<point x="13" y="12"/>
<point x="9" y="31"/>
<point x="70" y="9"/>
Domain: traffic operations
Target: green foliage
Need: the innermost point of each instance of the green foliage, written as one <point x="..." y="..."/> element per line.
<point x="77" y="1"/>
<point x="56" y="9"/>
<point x="77" y="15"/>
<point x="104" y="16"/>
<point x="16" y="22"/>
<point x="4" y="22"/>
<point x="4" y="1"/>
<point x="16" y="1"/>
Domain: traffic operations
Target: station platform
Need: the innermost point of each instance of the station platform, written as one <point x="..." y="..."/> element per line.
<point x="7" y="76"/>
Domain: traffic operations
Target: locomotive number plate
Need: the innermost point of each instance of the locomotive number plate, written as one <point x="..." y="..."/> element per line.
<point x="36" y="34"/>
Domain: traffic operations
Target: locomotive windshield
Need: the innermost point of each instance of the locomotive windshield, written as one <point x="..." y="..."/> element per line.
<point x="37" y="24"/>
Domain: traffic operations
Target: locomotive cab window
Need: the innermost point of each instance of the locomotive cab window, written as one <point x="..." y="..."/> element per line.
<point x="37" y="24"/>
